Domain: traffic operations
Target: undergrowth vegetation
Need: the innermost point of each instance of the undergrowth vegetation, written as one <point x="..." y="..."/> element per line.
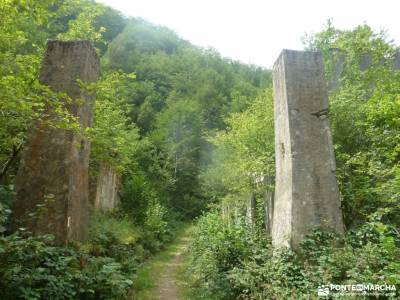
<point x="231" y="254"/>
<point x="237" y="261"/>
<point x="105" y="267"/>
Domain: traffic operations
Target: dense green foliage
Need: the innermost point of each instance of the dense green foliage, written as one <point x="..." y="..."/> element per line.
<point x="232" y="259"/>
<point x="174" y="93"/>
<point x="237" y="262"/>
<point x="158" y="102"/>
<point x="103" y="268"/>
<point x="188" y="131"/>
<point x="33" y="269"/>
<point x="243" y="152"/>
<point x="180" y="96"/>
<point x="365" y="120"/>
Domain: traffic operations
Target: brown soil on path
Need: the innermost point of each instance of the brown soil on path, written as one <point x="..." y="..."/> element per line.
<point x="167" y="287"/>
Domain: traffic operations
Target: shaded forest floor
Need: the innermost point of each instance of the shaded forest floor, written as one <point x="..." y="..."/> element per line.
<point x="162" y="277"/>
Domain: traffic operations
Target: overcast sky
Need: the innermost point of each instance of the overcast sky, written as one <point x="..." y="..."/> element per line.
<point x="255" y="31"/>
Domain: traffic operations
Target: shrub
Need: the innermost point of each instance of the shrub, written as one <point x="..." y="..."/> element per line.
<point x="157" y="227"/>
<point x="6" y="196"/>
<point x="238" y="262"/>
<point x="217" y="249"/>
<point x="103" y="268"/>
<point x="117" y="237"/>
<point x="110" y="229"/>
<point x="32" y="268"/>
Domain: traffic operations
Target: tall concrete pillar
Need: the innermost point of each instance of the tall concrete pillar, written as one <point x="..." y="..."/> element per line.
<point x="52" y="181"/>
<point x="106" y="189"/>
<point x="306" y="191"/>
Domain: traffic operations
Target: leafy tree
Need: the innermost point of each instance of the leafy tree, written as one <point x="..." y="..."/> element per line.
<point x="113" y="138"/>
<point x="244" y="149"/>
<point x="364" y="112"/>
<point x="22" y="98"/>
<point x="179" y="132"/>
<point x="83" y="26"/>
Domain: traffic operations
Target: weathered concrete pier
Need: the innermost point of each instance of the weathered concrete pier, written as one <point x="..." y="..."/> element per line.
<point x="306" y="191"/>
<point x="52" y="181"/>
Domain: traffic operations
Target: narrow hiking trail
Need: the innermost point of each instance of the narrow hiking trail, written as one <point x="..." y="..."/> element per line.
<point x="167" y="287"/>
<point x="159" y="280"/>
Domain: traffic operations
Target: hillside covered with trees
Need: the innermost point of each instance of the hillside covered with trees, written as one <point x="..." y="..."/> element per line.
<point x="188" y="133"/>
